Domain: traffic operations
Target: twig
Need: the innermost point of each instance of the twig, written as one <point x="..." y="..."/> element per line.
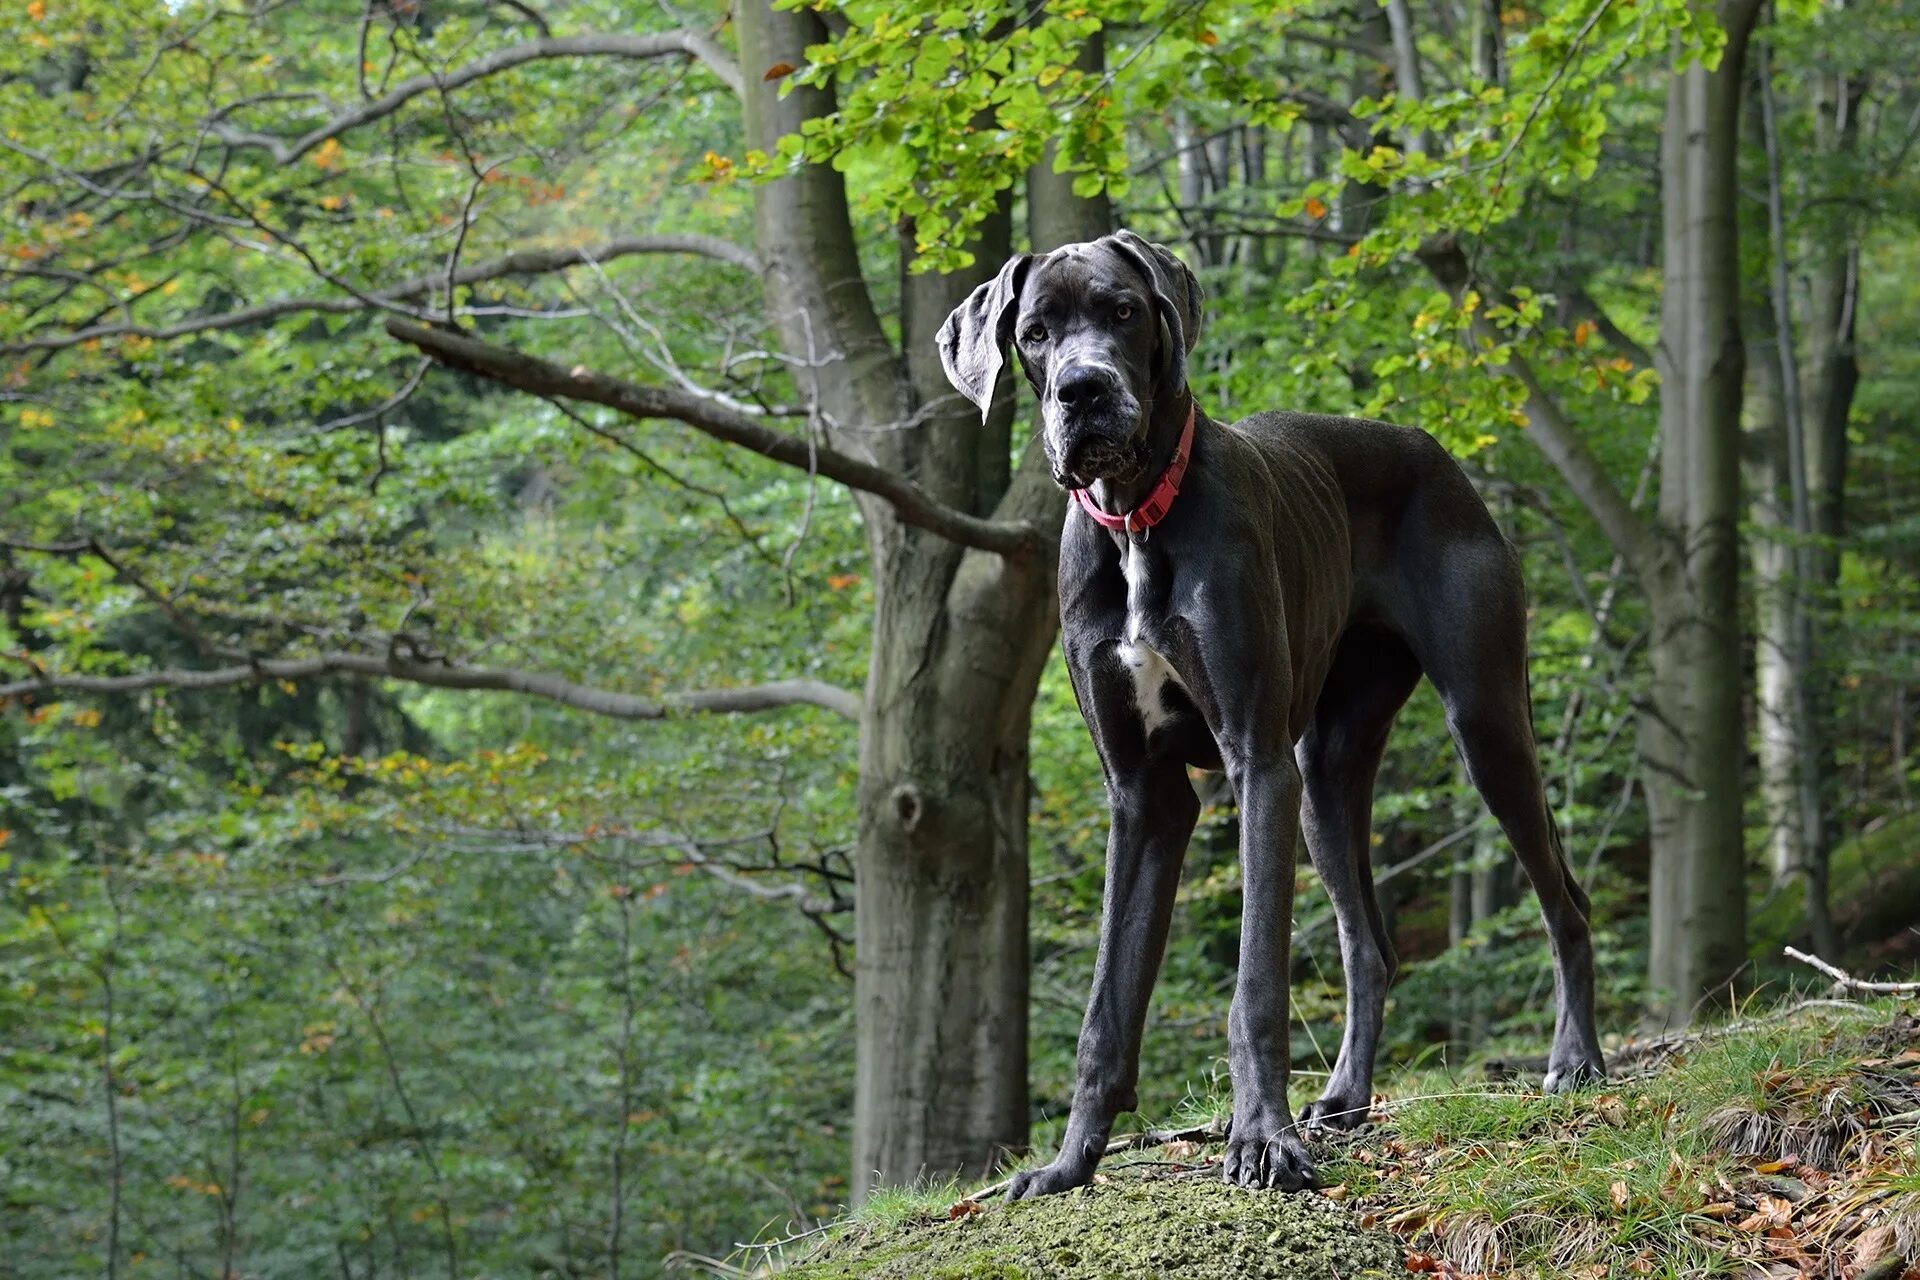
<point x="783" y="1241"/>
<point x="1212" y="1131"/>
<point x="1841" y="978"/>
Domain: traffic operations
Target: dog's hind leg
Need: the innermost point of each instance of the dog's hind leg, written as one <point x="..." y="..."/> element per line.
<point x="1371" y="676"/>
<point x="1476" y="657"/>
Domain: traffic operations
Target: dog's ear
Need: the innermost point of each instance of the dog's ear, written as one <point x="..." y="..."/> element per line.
<point x="1177" y="296"/>
<point x="973" y="341"/>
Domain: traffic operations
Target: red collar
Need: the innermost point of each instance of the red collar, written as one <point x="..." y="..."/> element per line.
<point x="1154" y="509"/>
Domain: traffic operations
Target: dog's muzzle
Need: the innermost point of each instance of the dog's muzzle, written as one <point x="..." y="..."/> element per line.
<point x="1100" y="457"/>
<point x="1094" y="429"/>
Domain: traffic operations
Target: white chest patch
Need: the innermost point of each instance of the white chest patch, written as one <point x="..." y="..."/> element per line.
<point x="1151" y="673"/>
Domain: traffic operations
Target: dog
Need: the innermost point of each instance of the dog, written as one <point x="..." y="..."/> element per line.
<point x="1259" y="598"/>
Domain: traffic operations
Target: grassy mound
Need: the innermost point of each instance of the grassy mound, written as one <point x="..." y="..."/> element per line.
<point x="1785" y="1145"/>
<point x="1134" y="1225"/>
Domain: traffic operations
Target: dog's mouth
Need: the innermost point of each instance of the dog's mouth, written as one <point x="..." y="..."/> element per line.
<point x="1115" y="461"/>
<point x="1101" y="455"/>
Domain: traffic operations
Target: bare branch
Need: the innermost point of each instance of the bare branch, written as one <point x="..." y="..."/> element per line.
<point x="601" y="702"/>
<point x="1841" y="978"/>
<point x="664" y="45"/>
<point x="521" y="262"/>
<point x="910" y="502"/>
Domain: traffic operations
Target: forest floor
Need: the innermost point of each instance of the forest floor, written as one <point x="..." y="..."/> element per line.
<point x="1784" y="1144"/>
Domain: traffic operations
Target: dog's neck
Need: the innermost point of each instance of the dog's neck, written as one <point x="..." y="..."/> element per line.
<point x="1164" y="427"/>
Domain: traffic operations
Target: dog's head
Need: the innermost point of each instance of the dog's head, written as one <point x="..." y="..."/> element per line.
<point x="1102" y="330"/>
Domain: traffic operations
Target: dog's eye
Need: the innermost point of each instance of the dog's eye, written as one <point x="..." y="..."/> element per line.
<point x="1037" y="333"/>
<point x="1123" y="312"/>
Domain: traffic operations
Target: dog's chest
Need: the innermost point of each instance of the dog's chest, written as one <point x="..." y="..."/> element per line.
<point x="1150" y="672"/>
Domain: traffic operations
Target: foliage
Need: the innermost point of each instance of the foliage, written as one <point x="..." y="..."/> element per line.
<point x="378" y="978"/>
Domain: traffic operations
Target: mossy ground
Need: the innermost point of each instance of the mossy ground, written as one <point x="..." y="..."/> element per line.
<point x="1138" y="1225"/>
<point x="1786" y="1147"/>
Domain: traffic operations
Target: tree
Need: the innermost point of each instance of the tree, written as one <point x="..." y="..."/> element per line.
<point x="1804" y="374"/>
<point x="1687" y="558"/>
<point x="958" y="520"/>
<point x="1691" y="731"/>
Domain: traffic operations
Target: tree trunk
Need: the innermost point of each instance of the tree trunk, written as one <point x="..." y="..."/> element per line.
<point x="1780" y="662"/>
<point x="1691" y="735"/>
<point x="1055" y="216"/>
<point x="959" y="638"/>
<point x="941" y="926"/>
<point x="1798" y="467"/>
<point x="1831" y="265"/>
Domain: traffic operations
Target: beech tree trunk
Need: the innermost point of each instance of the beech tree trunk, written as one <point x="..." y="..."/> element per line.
<point x="1692" y="739"/>
<point x="1781" y="664"/>
<point x="1803" y="380"/>
<point x="959" y="639"/>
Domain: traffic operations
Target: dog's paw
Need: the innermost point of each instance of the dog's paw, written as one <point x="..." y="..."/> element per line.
<point x="1574" y="1072"/>
<point x="1048" y="1180"/>
<point x="1268" y="1154"/>
<point x="1336" y="1111"/>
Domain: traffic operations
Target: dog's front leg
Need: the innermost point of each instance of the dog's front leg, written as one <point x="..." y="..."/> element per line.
<point x="1154" y="810"/>
<point x="1263" y="1147"/>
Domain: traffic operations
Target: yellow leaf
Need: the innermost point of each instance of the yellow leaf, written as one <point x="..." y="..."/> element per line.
<point x="327" y="154"/>
<point x="1582" y="332"/>
<point x="37" y="10"/>
<point x="1316" y="207"/>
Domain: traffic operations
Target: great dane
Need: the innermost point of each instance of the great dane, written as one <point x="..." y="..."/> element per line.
<point x="1259" y="598"/>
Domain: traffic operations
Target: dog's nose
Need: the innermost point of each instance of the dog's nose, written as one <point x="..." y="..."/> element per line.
<point x="1081" y="386"/>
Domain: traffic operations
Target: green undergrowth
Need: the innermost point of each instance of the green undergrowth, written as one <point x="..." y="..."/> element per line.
<point x="1780" y="1145"/>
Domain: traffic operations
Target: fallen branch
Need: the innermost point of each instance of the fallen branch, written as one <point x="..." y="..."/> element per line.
<point x="1645" y="1055"/>
<point x="1841" y="978"/>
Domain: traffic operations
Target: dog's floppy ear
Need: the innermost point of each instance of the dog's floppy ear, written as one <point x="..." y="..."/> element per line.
<point x="1177" y="296"/>
<point x="973" y="341"/>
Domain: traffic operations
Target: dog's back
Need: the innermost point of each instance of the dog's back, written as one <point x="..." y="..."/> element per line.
<point x="1393" y="479"/>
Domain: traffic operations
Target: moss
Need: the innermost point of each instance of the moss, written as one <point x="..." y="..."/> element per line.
<point x="1127" y="1229"/>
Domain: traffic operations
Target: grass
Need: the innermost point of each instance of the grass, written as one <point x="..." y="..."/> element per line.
<point x="1787" y="1142"/>
<point x="894" y="1207"/>
<point x="1662" y="1173"/>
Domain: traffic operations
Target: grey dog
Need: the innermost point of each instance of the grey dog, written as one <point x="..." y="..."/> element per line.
<point x="1259" y="598"/>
